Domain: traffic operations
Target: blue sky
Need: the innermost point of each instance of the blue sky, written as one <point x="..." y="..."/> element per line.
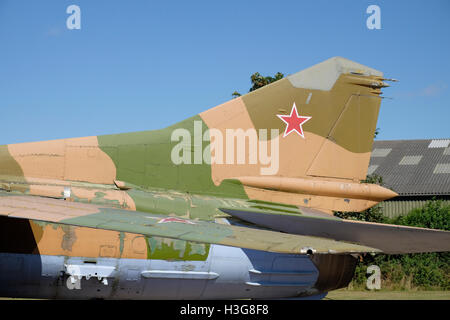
<point x="139" y="65"/>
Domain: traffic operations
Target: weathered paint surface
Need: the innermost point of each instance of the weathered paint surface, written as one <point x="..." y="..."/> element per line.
<point x="170" y="249"/>
<point x="134" y="171"/>
<point x="64" y="240"/>
<point x="125" y="200"/>
<point x="105" y="217"/>
<point x="342" y="98"/>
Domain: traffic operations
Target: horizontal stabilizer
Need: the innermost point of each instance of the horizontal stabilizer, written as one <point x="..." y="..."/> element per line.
<point x="390" y="239"/>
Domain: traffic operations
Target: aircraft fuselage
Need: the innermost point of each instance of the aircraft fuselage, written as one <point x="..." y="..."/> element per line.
<point x="64" y="262"/>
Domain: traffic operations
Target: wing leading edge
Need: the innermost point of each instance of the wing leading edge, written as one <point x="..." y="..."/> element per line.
<point x="101" y="217"/>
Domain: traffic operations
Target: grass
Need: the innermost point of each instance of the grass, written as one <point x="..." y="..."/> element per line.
<point x="344" y="294"/>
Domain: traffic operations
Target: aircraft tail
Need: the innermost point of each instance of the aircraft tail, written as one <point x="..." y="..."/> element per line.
<point x="315" y="125"/>
<point x="326" y="117"/>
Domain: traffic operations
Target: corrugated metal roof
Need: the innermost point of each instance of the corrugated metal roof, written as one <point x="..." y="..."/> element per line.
<point x="410" y="160"/>
<point x="413" y="167"/>
<point x="372" y="168"/>
<point x="442" y="168"/>
<point x="383" y="152"/>
<point x="439" y="143"/>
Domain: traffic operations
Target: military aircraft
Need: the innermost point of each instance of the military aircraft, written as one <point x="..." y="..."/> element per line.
<point x="235" y="202"/>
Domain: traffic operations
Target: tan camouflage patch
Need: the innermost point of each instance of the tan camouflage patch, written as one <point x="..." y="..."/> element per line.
<point x="37" y="208"/>
<point x="337" y="162"/>
<point x="104" y="196"/>
<point x="78" y="159"/>
<point x="325" y="204"/>
<point x="86" y="242"/>
<point x="40" y="159"/>
<point x="230" y="115"/>
<point x="85" y="161"/>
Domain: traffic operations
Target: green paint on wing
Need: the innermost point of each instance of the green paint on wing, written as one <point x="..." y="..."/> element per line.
<point x="100" y="198"/>
<point x="147" y="224"/>
<point x="173" y="249"/>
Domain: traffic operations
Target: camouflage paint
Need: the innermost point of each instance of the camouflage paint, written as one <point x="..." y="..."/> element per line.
<point x="134" y="171"/>
<point x="9" y="166"/>
<point x="144" y="159"/>
<point x="64" y="240"/>
<point x="342" y="98"/>
<point x="99" y="217"/>
<point x="172" y="249"/>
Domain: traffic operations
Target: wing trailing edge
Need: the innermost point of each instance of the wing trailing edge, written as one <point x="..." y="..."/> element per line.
<point x="391" y="239"/>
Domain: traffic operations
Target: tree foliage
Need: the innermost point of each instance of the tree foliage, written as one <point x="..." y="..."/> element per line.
<point x="400" y="272"/>
<point x="235" y="94"/>
<point x="419" y="270"/>
<point x="434" y="215"/>
<point x="376" y="133"/>
<point x="258" y="81"/>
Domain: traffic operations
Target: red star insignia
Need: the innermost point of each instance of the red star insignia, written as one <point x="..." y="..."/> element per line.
<point x="294" y="122"/>
<point x="165" y="220"/>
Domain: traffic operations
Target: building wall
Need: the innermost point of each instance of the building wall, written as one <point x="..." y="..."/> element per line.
<point x="403" y="205"/>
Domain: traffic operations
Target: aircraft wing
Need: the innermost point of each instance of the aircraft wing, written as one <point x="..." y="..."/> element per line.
<point x="102" y="217"/>
<point x="391" y="239"/>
